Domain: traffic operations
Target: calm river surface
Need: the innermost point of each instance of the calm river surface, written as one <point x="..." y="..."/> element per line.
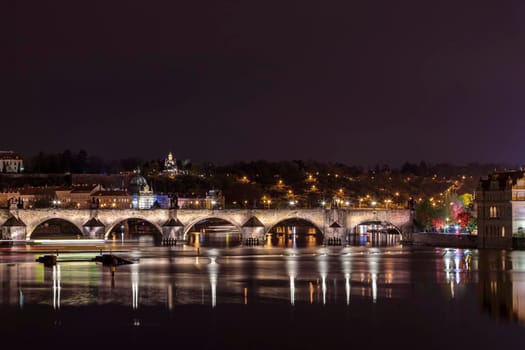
<point x="263" y="298"/>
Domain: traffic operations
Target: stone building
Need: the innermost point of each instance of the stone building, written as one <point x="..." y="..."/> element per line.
<point x="500" y="208"/>
<point x="170" y="165"/>
<point x="81" y="196"/>
<point x="142" y="196"/>
<point x="173" y="167"/>
<point x="7" y="197"/>
<point x="112" y="199"/>
<point x="11" y="162"/>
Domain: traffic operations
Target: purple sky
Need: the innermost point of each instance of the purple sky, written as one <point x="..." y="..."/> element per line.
<point x="358" y="82"/>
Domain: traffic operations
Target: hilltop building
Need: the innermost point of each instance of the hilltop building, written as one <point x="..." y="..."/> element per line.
<point x="173" y="167"/>
<point x="170" y="165"/>
<point x="11" y="162"/>
<point x="500" y="208"/>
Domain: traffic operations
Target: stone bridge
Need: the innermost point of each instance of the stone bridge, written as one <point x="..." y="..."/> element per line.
<point x="19" y="224"/>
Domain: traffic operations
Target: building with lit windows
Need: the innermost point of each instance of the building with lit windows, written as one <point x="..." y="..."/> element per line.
<point x="170" y="165"/>
<point x="7" y="197"/>
<point x="112" y="199"/>
<point x="142" y="196"/>
<point x="11" y="162"/>
<point x="500" y="208"/>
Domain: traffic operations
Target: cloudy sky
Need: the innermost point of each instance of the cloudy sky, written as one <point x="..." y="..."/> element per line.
<point x="358" y="82"/>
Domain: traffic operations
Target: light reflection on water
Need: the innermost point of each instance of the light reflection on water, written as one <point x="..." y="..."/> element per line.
<point x="171" y="276"/>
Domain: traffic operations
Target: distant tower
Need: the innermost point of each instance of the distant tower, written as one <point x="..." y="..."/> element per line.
<point x="170" y="165"/>
<point x="500" y="208"/>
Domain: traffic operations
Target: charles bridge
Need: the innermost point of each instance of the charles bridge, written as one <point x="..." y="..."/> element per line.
<point x="19" y="224"/>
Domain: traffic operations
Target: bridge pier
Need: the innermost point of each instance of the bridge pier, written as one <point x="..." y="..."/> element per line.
<point x="14" y="229"/>
<point x="253" y="235"/>
<point x="253" y="232"/>
<point x="172" y="231"/>
<point x="93" y="232"/>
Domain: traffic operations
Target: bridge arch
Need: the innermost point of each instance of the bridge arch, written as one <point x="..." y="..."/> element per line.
<point x="120" y="221"/>
<point x="31" y="233"/>
<point x="382" y="226"/>
<point x="191" y="224"/>
<point x="203" y="219"/>
<point x="296" y="218"/>
<point x="376" y="233"/>
<point x="294" y="230"/>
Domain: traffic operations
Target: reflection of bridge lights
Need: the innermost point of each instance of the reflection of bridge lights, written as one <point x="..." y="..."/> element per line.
<point x="347" y="288"/>
<point x="323" y="278"/>
<point x="323" y="271"/>
<point x="56" y="286"/>
<point x="292" y="290"/>
<point x="373" y="269"/>
<point x="457" y="267"/>
<point x="291" y="269"/>
<point x="170" y="297"/>
<point x="20" y="298"/>
<point x="347" y="270"/>
<point x="135" y="286"/>
<point x="213" y="253"/>
<point x="374" y="287"/>
<point x="213" y="270"/>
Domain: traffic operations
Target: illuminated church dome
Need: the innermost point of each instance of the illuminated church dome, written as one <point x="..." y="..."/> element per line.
<point x="137" y="183"/>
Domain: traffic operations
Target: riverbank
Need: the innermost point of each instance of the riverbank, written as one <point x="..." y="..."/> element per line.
<point x="441" y="240"/>
<point x="451" y="240"/>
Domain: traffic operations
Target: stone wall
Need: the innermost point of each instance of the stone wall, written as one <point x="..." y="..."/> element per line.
<point x="444" y="240"/>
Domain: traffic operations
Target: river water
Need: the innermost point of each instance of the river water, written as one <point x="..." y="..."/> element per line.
<point x="263" y="297"/>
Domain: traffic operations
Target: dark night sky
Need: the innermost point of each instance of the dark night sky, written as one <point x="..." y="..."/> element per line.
<point x="358" y="82"/>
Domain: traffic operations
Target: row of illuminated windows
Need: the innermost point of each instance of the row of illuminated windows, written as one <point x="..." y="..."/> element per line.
<point x="495" y="212"/>
<point x="518" y="196"/>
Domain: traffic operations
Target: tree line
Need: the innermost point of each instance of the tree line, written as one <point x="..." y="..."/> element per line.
<point x="81" y="162"/>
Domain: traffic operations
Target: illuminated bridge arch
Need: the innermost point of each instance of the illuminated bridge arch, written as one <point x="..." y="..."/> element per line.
<point x="114" y="227"/>
<point x="296" y="219"/>
<point x="378" y="226"/>
<point x="294" y="231"/>
<point x="213" y="230"/>
<point x="194" y="222"/>
<point x="40" y="224"/>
